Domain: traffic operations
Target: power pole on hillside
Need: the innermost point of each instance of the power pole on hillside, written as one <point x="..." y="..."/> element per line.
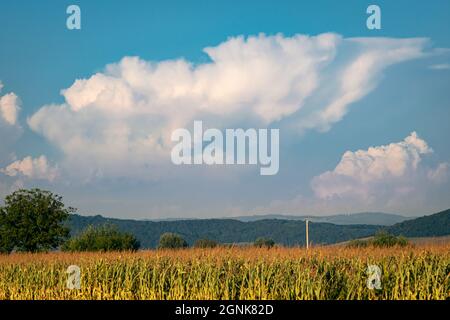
<point x="307" y="234"/>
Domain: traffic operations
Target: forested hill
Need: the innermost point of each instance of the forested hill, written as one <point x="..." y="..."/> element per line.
<point x="374" y="218"/>
<point x="287" y="232"/>
<point x="434" y="225"/>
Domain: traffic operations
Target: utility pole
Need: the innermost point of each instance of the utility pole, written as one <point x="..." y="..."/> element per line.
<point x="307" y="234"/>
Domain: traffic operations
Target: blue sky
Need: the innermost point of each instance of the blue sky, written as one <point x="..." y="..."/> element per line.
<point x="39" y="57"/>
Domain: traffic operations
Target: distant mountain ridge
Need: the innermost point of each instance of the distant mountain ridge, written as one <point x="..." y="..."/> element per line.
<point x="370" y="218"/>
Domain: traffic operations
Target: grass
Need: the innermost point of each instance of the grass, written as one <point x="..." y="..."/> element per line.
<point x="412" y="272"/>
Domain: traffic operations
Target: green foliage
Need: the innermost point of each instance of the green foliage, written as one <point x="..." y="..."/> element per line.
<point x="264" y="242"/>
<point x="171" y="241"/>
<point x="32" y="221"/>
<point x="385" y="239"/>
<point x="381" y="239"/>
<point x="205" y="243"/>
<point x="6" y="237"/>
<point x="286" y="232"/>
<point x="102" y="238"/>
<point x="434" y="225"/>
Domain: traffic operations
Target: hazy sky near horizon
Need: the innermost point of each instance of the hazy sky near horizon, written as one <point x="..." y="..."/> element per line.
<point x="363" y="114"/>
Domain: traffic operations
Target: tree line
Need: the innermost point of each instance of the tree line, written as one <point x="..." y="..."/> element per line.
<point x="35" y="220"/>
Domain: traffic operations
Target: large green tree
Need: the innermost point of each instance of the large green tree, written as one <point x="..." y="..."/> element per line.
<point x="33" y="220"/>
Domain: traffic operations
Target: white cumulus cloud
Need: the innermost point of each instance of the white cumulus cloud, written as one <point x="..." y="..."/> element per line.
<point x="440" y="174"/>
<point x="38" y="168"/>
<point x="118" y="122"/>
<point x="10" y="130"/>
<point x="380" y="172"/>
<point x="9" y="107"/>
<point x="387" y="178"/>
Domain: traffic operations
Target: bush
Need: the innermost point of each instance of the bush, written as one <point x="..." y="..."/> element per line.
<point x="205" y="243"/>
<point x="102" y="238"/>
<point x="171" y="241"/>
<point x="264" y="242"/>
<point x="384" y="239"/>
<point x="381" y="239"/>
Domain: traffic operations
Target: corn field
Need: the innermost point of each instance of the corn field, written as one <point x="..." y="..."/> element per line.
<point x="419" y="272"/>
